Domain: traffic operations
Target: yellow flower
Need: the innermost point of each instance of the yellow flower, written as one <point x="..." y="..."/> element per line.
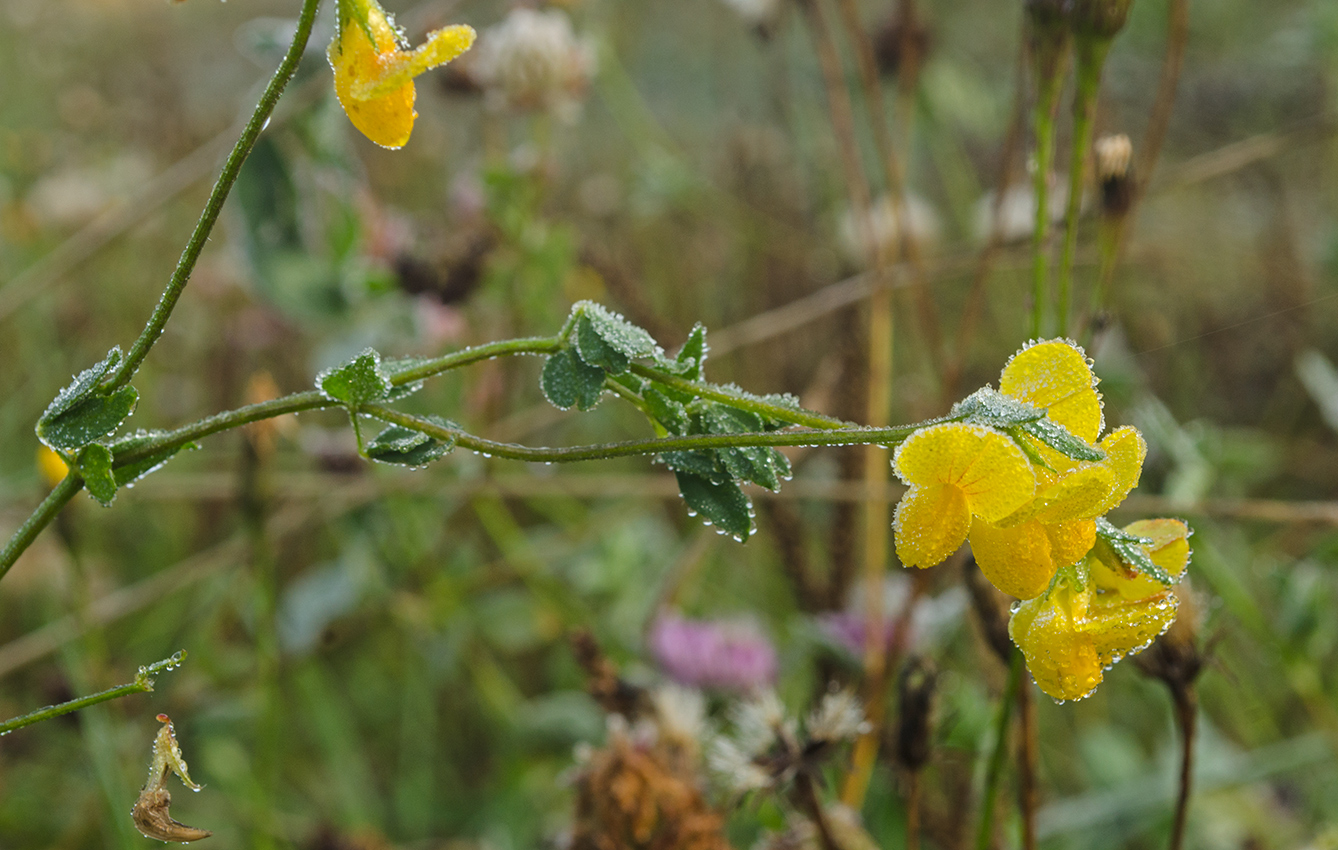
<point x="1020" y="553"/>
<point x="374" y="76"/>
<point x="1100" y="612"/>
<point x="51" y="465"/>
<point x="955" y="471"/>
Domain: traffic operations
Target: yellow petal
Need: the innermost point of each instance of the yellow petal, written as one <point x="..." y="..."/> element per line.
<point x="989" y="469"/>
<point x="1016" y="560"/>
<point x="931" y="523"/>
<point x="1061" y="656"/>
<point x="1080" y="494"/>
<point x="1169" y="550"/>
<point x="387" y="119"/>
<point x="1070" y="541"/>
<point x="399" y="68"/>
<point x="1055" y="375"/>
<point x="1125" y="450"/>
<point x="1125" y="629"/>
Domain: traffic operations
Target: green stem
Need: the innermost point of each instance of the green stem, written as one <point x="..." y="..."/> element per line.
<point x="994" y="772"/>
<point x="143" y="684"/>
<point x="742" y="401"/>
<point x="843" y="437"/>
<point x="38" y="520"/>
<point x="1091" y="57"/>
<point x="1047" y="97"/>
<point x="467" y="356"/>
<point x="209" y="216"/>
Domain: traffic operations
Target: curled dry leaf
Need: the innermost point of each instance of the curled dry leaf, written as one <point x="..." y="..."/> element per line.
<point x="150" y="811"/>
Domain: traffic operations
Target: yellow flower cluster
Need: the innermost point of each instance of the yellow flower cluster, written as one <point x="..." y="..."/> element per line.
<point x="1030" y="510"/>
<point x="374" y="75"/>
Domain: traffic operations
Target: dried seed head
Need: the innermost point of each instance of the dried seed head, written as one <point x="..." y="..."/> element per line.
<point x="839" y="717"/>
<point x="1114" y="158"/>
<point x="150" y="813"/>
<point x="916" y="689"/>
<point x="1102" y="19"/>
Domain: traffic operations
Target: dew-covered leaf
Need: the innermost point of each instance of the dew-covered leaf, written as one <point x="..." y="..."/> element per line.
<point x="722" y="504"/>
<point x="131" y="472"/>
<point x="360" y="381"/>
<point x="668" y="412"/>
<point x="1060" y="439"/>
<point x="598" y="351"/>
<point x="95" y="466"/>
<point x="567" y="381"/>
<point x="91" y="418"/>
<point x="703" y="464"/>
<point x="1130" y="549"/>
<point x="621" y="335"/>
<point x="988" y="406"/>
<point x="692" y="356"/>
<point x="407" y="447"/>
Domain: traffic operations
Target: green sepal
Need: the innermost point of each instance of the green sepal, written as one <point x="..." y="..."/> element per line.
<point x="362" y="380"/>
<point x="407" y="447"/>
<point x="1129" y="549"/>
<point x="988" y="406"/>
<point x="568" y="381"/>
<point x="722" y="504"/>
<point x="129" y="473"/>
<point x="94" y="465"/>
<point x="80" y="413"/>
<point x="1060" y="439"/>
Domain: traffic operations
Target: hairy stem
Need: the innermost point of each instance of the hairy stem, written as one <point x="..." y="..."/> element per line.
<point x="209" y="216"/>
<point x="38" y="520"/>
<point x="143" y="683"/>
<point x="476" y="354"/>
<point x="1091" y="57"/>
<point x="994" y="772"/>
<point x="656" y="445"/>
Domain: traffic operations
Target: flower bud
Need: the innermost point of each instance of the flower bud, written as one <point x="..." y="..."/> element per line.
<point x="1101" y="19"/>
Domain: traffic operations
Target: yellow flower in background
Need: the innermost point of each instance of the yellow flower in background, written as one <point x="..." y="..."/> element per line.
<point x="374" y="75"/>
<point x="955" y="472"/>
<point x="51" y="466"/>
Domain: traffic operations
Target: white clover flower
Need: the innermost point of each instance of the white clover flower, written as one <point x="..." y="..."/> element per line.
<point x="839" y="717"/>
<point x="533" y="60"/>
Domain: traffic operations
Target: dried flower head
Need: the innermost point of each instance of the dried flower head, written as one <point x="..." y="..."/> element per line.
<point x="839" y="717"/>
<point x="1114" y="156"/>
<point x="533" y="60"/>
<point x="150" y="810"/>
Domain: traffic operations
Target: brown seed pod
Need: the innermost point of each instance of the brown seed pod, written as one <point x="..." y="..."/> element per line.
<point x="150" y="810"/>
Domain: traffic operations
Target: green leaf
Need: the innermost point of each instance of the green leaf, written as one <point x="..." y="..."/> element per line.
<point x="93" y="417"/>
<point x="722" y="504"/>
<point x="568" y="381"/>
<point x="1129" y="549"/>
<point x="129" y="473"/>
<point x="80" y="413"/>
<point x="692" y="356"/>
<point x="703" y="464"/>
<point x="596" y="350"/>
<point x="1060" y="439"/>
<point x="360" y="381"/>
<point x="614" y="331"/>
<point x="406" y="447"/>
<point x="668" y="412"/>
<point x="95" y="466"/>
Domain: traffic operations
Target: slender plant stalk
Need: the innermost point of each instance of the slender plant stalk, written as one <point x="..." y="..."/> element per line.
<point x="1047" y="98"/>
<point x="1177" y="36"/>
<point x="994" y="771"/>
<point x="1186" y="716"/>
<point x="913" y="810"/>
<point x="542" y="454"/>
<point x="40" y="518"/>
<point x="1026" y="767"/>
<point x="753" y="404"/>
<point x="476" y="354"/>
<point x="1091" y="57"/>
<point x="807" y="792"/>
<point x="209" y="216"/>
<point x="143" y="683"/>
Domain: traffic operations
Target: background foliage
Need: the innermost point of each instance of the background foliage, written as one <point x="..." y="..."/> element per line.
<point x="379" y="656"/>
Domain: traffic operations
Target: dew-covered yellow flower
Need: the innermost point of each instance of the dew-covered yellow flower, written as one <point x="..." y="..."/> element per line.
<point x="955" y="472"/>
<point x="374" y="73"/>
<point x="1021" y="552"/>
<point x="1099" y="612"/>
